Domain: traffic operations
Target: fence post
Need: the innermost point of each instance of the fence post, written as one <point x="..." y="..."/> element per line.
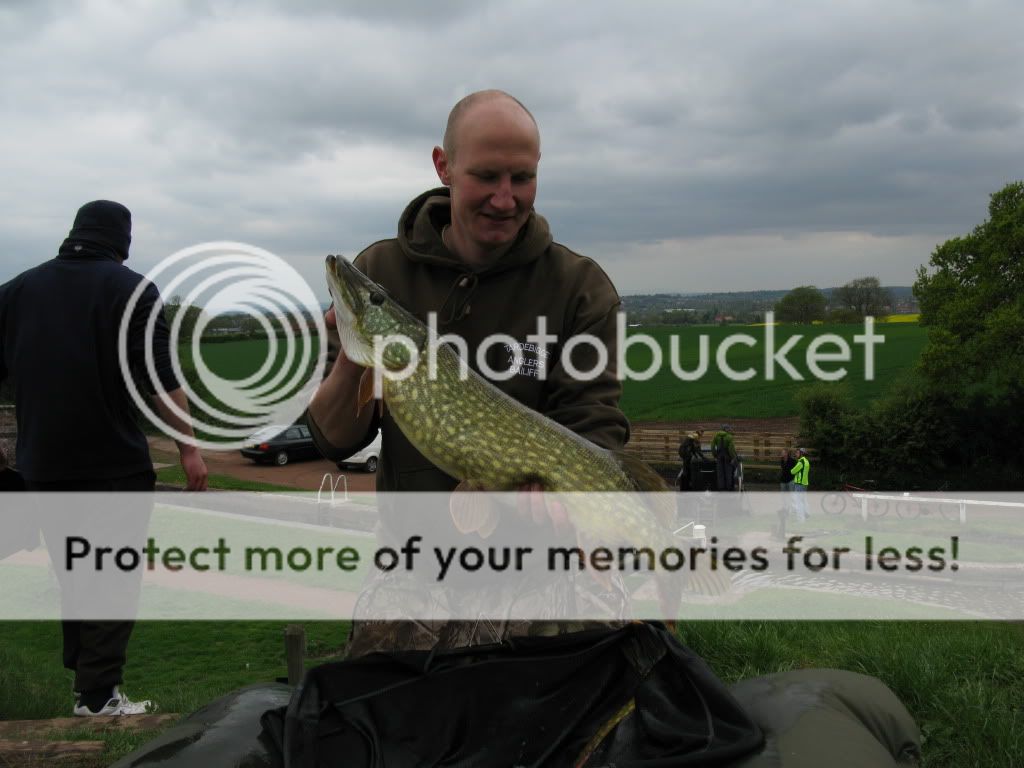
<point x="295" y="652"/>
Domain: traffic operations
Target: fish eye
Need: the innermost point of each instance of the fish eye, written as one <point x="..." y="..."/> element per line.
<point x="377" y="298"/>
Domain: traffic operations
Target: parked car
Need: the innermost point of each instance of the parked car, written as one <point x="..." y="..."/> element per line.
<point x="367" y="458"/>
<point x="280" y="444"/>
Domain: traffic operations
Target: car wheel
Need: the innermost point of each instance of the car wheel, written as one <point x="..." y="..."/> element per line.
<point x="281" y="458"/>
<point x="371" y="464"/>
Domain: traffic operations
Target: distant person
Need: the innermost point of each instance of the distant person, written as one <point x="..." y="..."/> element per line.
<point x="786" y="463"/>
<point x="723" y="448"/>
<point x="691" y="456"/>
<point x="801" y="479"/>
<point x="77" y="428"/>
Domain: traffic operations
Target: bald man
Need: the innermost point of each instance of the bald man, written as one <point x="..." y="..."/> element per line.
<point x="475" y="252"/>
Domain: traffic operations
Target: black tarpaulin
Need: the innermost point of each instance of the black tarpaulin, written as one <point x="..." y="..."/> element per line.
<point x="633" y="698"/>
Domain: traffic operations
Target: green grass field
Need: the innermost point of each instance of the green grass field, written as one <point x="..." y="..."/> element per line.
<point x="257" y="370"/>
<point x="238" y="359"/>
<point x="714" y="396"/>
<point x="667" y="398"/>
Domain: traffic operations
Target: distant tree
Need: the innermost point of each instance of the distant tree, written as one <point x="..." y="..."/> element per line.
<point x="862" y="297"/>
<point x="801" y="305"/>
<point x="192" y="313"/>
<point x="973" y="301"/>
<point x="676" y="317"/>
<point x="251" y="326"/>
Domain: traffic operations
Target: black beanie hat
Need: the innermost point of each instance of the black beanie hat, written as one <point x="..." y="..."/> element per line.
<point x="104" y="223"/>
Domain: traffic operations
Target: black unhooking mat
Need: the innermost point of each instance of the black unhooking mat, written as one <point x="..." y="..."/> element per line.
<point x="633" y="698"/>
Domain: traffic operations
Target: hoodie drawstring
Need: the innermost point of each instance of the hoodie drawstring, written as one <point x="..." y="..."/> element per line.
<point x="459" y="308"/>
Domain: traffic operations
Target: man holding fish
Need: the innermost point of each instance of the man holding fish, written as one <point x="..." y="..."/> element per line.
<point x="476" y="253"/>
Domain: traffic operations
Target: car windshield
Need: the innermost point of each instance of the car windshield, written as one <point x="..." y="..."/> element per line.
<point x="267" y="433"/>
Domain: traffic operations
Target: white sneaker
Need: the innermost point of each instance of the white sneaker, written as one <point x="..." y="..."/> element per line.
<point x="119" y="704"/>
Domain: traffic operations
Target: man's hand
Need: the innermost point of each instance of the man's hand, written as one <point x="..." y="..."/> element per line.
<point x="191" y="460"/>
<point x="532" y="502"/>
<point x="195" y="467"/>
<point x="347" y="366"/>
<point x="335" y="405"/>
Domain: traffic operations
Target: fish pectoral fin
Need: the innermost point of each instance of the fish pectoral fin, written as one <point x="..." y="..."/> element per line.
<point x="365" y="393"/>
<point x="471" y="511"/>
<point x="646" y="480"/>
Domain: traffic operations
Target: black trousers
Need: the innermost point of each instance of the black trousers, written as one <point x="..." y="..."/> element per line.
<point x="726" y="472"/>
<point x="95" y="650"/>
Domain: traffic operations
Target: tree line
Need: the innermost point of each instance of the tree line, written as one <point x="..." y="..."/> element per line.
<point x="846" y="304"/>
<point x="850" y="303"/>
<point x="956" y="422"/>
<point x="223" y="327"/>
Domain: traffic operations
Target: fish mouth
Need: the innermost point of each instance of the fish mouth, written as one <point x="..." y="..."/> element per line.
<point x="344" y="282"/>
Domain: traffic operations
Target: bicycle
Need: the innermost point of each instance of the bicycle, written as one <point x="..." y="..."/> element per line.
<point x="834" y="503"/>
<point x="913" y="509"/>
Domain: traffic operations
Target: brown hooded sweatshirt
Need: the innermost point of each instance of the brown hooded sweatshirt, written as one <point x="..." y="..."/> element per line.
<point x="534" y="277"/>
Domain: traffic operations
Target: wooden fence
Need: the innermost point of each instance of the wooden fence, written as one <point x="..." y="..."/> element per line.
<point x="8" y="431"/>
<point x="757" y="449"/>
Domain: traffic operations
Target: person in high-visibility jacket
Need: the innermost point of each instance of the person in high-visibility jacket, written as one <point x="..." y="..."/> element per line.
<point x="801" y="479"/>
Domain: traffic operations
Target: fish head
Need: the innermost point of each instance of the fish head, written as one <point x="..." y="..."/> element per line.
<point x="368" y="319"/>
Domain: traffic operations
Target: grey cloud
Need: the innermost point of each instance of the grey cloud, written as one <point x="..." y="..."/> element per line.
<point x="309" y="125"/>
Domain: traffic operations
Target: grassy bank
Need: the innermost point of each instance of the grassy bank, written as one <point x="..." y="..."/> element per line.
<point x="961" y="681"/>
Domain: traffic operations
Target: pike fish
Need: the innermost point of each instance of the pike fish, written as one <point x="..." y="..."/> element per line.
<point x="488" y="440"/>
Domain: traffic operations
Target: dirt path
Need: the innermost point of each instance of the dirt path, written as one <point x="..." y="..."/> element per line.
<point x="306" y="475"/>
<point x="309" y="474"/>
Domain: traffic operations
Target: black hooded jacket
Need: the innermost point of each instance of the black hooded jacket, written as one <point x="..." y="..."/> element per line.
<point x="59" y="326"/>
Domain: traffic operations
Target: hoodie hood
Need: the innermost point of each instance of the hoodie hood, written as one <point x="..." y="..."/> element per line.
<point x="421" y="223"/>
<point x="102" y="228"/>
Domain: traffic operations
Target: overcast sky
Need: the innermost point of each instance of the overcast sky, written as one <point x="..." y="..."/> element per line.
<point x="688" y="146"/>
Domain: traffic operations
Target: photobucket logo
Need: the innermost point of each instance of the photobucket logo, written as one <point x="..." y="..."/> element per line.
<point x="259" y="291"/>
<point x="585" y="357"/>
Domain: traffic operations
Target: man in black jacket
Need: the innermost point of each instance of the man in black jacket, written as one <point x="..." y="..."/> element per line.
<point x="77" y="430"/>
